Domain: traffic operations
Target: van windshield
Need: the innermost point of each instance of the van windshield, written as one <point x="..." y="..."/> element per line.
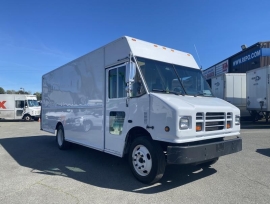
<point x="176" y="79"/>
<point x="33" y="103"/>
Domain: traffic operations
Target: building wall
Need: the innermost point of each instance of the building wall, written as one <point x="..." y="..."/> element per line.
<point x="246" y="60"/>
<point x="255" y="56"/>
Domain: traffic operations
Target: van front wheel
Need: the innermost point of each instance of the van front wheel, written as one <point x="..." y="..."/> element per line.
<point x="27" y="117"/>
<point x="147" y="160"/>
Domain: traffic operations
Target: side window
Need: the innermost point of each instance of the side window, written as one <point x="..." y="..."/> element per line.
<point x="121" y="82"/>
<point x="113" y="83"/>
<point x="117" y="84"/>
<point x="19" y="104"/>
<point x="116" y="122"/>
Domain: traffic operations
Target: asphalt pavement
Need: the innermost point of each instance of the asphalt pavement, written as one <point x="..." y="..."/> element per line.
<point x="34" y="170"/>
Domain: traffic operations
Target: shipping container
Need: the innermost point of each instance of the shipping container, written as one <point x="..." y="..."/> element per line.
<point x="258" y="92"/>
<point x="231" y="87"/>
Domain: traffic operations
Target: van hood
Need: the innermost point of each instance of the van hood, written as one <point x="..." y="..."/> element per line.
<point x="198" y="102"/>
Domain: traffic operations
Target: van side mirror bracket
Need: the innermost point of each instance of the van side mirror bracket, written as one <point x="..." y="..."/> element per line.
<point x="130" y="78"/>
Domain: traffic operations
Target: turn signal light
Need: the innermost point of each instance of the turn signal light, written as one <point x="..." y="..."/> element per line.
<point x="198" y="127"/>
<point x="167" y="129"/>
<point x="228" y="125"/>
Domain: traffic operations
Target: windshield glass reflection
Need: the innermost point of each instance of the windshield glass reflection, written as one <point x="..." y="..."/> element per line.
<point x="33" y="103"/>
<point x="174" y="79"/>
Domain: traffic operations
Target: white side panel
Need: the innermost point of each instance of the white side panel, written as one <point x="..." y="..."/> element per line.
<point x="218" y="86"/>
<point x="235" y="91"/>
<point x="74" y="95"/>
<point x="7" y="106"/>
<point x="257" y="89"/>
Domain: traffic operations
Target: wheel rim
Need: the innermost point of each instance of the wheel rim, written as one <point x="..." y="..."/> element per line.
<point x="60" y="137"/>
<point x="142" y="160"/>
<point x="27" y="117"/>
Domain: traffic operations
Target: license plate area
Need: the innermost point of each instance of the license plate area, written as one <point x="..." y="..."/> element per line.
<point x="220" y="147"/>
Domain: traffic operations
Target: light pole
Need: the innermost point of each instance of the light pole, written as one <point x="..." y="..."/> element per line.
<point x="22" y="90"/>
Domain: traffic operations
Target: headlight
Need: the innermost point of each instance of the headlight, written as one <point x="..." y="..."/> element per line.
<point x="184" y="123"/>
<point x="237" y="120"/>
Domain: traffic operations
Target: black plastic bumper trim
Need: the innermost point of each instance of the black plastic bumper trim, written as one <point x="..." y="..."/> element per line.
<point x="204" y="152"/>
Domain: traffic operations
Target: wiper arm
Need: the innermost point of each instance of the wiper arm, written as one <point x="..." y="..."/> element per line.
<point x="201" y="94"/>
<point x="166" y="91"/>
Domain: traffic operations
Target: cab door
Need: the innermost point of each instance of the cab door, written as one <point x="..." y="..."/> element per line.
<point x="117" y="111"/>
<point x="19" y="109"/>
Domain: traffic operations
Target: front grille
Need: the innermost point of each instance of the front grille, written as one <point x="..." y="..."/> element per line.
<point x="213" y="121"/>
<point x="215" y="116"/>
<point x="211" y="126"/>
<point x="199" y="116"/>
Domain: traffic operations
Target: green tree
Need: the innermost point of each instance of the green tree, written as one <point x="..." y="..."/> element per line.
<point x="39" y="96"/>
<point x="10" y="91"/>
<point x="2" y="91"/>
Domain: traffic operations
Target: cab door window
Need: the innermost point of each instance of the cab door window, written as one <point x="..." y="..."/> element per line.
<point x="19" y="104"/>
<point x="117" y="84"/>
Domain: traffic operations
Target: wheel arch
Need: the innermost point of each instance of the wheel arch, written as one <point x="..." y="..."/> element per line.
<point x="133" y="133"/>
<point x="58" y="124"/>
<point x="25" y="115"/>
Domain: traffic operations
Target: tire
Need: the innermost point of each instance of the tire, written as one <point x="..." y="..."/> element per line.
<point x="209" y="162"/>
<point x="60" y="138"/>
<point x="146" y="160"/>
<point x="87" y="125"/>
<point x="27" y="117"/>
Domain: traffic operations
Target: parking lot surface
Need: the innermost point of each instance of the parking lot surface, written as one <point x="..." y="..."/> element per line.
<point x="34" y="170"/>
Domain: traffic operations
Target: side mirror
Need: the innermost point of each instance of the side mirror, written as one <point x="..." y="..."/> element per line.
<point x="130" y="72"/>
<point x="130" y="75"/>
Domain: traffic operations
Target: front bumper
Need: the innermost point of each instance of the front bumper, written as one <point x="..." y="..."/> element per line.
<point x="203" y="152"/>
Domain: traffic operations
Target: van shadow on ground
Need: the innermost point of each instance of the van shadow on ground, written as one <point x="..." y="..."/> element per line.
<point x="41" y="154"/>
<point x="265" y="152"/>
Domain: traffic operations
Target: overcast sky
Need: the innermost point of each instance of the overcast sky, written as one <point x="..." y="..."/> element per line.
<point x="39" y="36"/>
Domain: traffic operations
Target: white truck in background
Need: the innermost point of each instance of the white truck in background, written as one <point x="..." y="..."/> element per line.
<point x="231" y="87"/>
<point x="19" y="106"/>
<point x="153" y="105"/>
<point x="258" y="93"/>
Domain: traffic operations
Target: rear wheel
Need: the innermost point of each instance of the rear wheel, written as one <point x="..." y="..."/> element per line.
<point x="60" y="138"/>
<point x="147" y="160"/>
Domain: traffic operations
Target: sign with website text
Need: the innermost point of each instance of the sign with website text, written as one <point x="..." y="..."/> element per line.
<point x="209" y="73"/>
<point x="222" y="67"/>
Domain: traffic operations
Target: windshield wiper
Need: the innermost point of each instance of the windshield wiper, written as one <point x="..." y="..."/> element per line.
<point x="167" y="91"/>
<point x="201" y="94"/>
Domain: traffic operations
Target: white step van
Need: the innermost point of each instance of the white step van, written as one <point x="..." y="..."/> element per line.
<point x="140" y="99"/>
<point x="19" y="106"/>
